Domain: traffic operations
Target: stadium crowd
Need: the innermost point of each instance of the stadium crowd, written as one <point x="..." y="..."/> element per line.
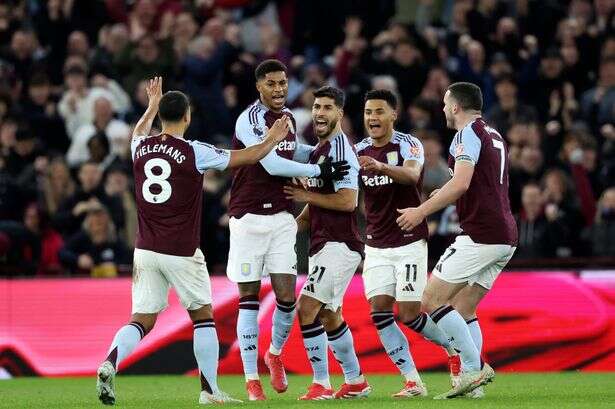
<point x="72" y="85"/>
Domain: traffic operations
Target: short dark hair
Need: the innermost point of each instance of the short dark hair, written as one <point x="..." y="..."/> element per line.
<point x="39" y="79"/>
<point x="336" y="94"/>
<point x="383" y="94"/>
<point x="173" y="106"/>
<point x="467" y="95"/>
<point x="268" y="66"/>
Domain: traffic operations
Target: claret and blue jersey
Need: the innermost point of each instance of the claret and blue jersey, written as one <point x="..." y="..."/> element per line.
<point x="484" y="209"/>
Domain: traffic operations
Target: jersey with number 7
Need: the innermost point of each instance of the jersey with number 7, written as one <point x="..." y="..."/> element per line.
<point x="484" y="209"/>
<point x="168" y="174"/>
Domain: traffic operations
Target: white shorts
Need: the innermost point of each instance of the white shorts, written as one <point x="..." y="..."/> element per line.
<point x="261" y="245"/>
<point x="465" y="261"/>
<point x="153" y="273"/>
<point x="331" y="270"/>
<point x="399" y="272"/>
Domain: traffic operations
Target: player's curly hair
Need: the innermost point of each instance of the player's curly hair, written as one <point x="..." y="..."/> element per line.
<point x="268" y="66"/>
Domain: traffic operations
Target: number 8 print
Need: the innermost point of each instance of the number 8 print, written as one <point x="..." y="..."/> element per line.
<point x="160" y="180"/>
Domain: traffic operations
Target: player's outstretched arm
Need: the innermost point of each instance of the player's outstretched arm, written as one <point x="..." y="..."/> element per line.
<point x="449" y="193"/>
<point x="408" y="174"/>
<point x="344" y="200"/>
<point x="254" y="153"/>
<point x="154" y="94"/>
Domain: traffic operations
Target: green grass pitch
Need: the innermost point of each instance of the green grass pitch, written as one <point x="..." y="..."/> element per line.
<point x="535" y="390"/>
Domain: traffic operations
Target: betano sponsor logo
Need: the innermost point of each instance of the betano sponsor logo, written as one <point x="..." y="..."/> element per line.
<point x="380" y="180"/>
<point x="315" y="182"/>
<point x="286" y="146"/>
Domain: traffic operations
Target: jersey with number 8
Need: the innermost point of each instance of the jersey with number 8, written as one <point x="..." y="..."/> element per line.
<point x="168" y="175"/>
<point x="484" y="209"/>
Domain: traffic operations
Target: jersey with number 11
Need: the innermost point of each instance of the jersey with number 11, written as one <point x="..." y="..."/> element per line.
<point x="168" y="174"/>
<point x="484" y="209"/>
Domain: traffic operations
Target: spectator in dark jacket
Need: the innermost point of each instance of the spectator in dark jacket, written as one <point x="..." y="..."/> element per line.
<point x="202" y="71"/>
<point x="508" y="108"/>
<point x="96" y="249"/>
<point x="91" y="194"/>
<point x="532" y="225"/>
<point x="601" y="234"/>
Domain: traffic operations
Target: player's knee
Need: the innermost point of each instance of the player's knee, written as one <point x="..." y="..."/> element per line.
<point x="429" y="303"/>
<point x="248" y="289"/>
<point x="380" y="303"/>
<point x="203" y="313"/>
<point x="466" y="310"/>
<point x="330" y="320"/>
<point x="286" y="295"/>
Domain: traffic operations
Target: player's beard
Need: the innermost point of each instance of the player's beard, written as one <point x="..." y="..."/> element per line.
<point x="325" y="134"/>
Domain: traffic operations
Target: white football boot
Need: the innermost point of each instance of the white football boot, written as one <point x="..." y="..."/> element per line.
<point x="216" y="398"/>
<point x="104" y="383"/>
<point x="469" y="381"/>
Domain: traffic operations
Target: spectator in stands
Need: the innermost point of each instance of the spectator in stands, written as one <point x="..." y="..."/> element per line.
<point x="116" y="131"/>
<point x="602" y="232"/>
<point x="91" y="194"/>
<point x="145" y="57"/>
<point x="436" y="169"/>
<point x="44" y="257"/>
<point x="184" y="30"/>
<point x="202" y="76"/>
<point x="408" y="69"/>
<point x="57" y="185"/>
<point x="40" y="111"/>
<point x="23" y="152"/>
<point x="473" y="68"/>
<point x="77" y="103"/>
<point x="598" y="103"/>
<point x="117" y="184"/>
<point x="528" y="168"/>
<point x="532" y="225"/>
<point x="561" y="208"/>
<point x="22" y="55"/>
<point x="112" y="40"/>
<point x="508" y="109"/>
<point x="95" y="250"/>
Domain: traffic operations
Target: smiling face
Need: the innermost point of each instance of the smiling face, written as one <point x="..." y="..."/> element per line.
<point x="273" y="90"/>
<point x="378" y="118"/>
<point x="325" y="116"/>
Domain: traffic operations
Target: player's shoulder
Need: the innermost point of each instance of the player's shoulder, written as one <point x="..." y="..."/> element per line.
<point x="364" y="144"/>
<point x="252" y="115"/>
<point x="475" y="130"/>
<point x="401" y="138"/>
<point x="342" y="149"/>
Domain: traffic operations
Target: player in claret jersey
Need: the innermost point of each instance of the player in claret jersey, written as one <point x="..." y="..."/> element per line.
<point x="469" y="267"/>
<point x="335" y="253"/>
<point x="262" y="226"/>
<point x="395" y="267"/>
<point x="168" y="174"/>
